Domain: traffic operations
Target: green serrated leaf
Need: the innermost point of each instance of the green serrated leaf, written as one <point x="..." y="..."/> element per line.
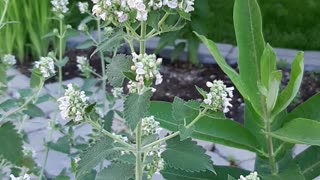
<point x="102" y="150"/>
<point x="8" y="104"/>
<point x="185" y="133"/>
<point x="107" y="121"/>
<point x="36" y="78"/>
<point x="185" y="154"/>
<point x="136" y="107"/>
<point x="309" y="162"/>
<point x="115" y="69"/>
<point x="184" y="112"/>
<point x="11" y="144"/>
<point x="63" y="62"/>
<point x="44" y="98"/>
<point x="62" y="145"/>
<point x="153" y="19"/>
<point x="299" y="131"/>
<point x="117" y="171"/>
<point x="86" y="44"/>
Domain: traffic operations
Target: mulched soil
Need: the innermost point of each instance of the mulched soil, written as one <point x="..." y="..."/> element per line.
<point x="180" y="80"/>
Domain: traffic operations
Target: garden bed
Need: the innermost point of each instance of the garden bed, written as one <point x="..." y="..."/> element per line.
<point x="180" y="79"/>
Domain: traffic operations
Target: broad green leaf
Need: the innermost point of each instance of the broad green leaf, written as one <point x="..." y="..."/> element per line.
<point x="33" y="111"/>
<point x="299" y="131"/>
<point x="102" y="150"/>
<point x="231" y="178"/>
<point x="62" y="145"/>
<point x="232" y="74"/>
<point x="291" y="173"/>
<point x="248" y="28"/>
<point x="309" y="162"/>
<point x="268" y="64"/>
<point x="184" y="15"/>
<point x="193" y="47"/>
<point x="216" y="130"/>
<point x="44" y="98"/>
<point x="306" y="110"/>
<point x="273" y="89"/>
<point x="185" y="154"/>
<point x="181" y="111"/>
<point x="222" y="173"/>
<point x="115" y="69"/>
<point x="117" y="171"/>
<point x="36" y="78"/>
<point x="290" y="92"/>
<point x="136" y="107"/>
<point x="8" y="104"/>
<point x="11" y="144"/>
<point x="153" y="19"/>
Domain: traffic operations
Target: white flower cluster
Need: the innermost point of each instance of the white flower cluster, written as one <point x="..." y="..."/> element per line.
<point x="117" y="92"/>
<point x="219" y="96"/>
<point x="157" y="163"/>
<point x="60" y="6"/>
<point x="83" y="7"/>
<point x="146" y="67"/>
<point x="120" y="10"/>
<point x="251" y="176"/>
<point x="24" y="177"/>
<point x="150" y="126"/>
<point x="9" y="60"/>
<point x="73" y="104"/>
<point x="45" y="66"/>
<point x="83" y="65"/>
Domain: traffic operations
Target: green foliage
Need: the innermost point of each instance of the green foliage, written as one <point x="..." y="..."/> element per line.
<point x="30" y="23"/>
<point x="309" y="162"/>
<point x="11" y="144"/>
<point x="185" y="154"/>
<point x="136" y="107"/>
<point x="34" y="111"/>
<point x="117" y="171"/>
<point x="115" y="69"/>
<point x="102" y="150"/>
<point x="62" y="145"/>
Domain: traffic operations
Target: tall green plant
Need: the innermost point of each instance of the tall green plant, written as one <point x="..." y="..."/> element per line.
<point x="25" y="36"/>
<point x="266" y="119"/>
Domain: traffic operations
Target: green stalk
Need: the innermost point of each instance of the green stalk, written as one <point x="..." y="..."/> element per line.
<point x="4" y="12"/>
<point x="269" y="141"/>
<point x="139" y="163"/>
<point x="103" y="68"/>
<point x="53" y="120"/>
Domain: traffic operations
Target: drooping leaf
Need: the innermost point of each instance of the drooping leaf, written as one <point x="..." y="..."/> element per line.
<point x="36" y="78"/>
<point x="102" y="150"/>
<point x="115" y="69"/>
<point x="209" y="128"/>
<point x="290" y="92"/>
<point x="273" y="89"/>
<point x="268" y="64"/>
<point x="222" y="173"/>
<point x="62" y="145"/>
<point x="136" y="107"/>
<point x="185" y="154"/>
<point x="108" y="119"/>
<point x="11" y="144"/>
<point x="309" y="162"/>
<point x="232" y="74"/>
<point x="299" y="131"/>
<point x="117" y="171"/>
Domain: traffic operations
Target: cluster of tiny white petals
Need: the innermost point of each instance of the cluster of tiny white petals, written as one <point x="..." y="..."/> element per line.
<point x="150" y="126"/>
<point x="117" y="92"/>
<point x="219" y="96"/>
<point x="24" y="177"/>
<point x="251" y="176"/>
<point x="9" y="60"/>
<point x="83" y="65"/>
<point x="157" y="163"/>
<point x="73" y="104"/>
<point x="83" y="7"/>
<point x="60" y="6"/>
<point x="29" y="152"/>
<point x="146" y="67"/>
<point x="45" y="66"/>
<point x="83" y="27"/>
<point x="119" y="10"/>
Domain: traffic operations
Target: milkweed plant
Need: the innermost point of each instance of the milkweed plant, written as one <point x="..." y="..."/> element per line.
<point x="143" y="149"/>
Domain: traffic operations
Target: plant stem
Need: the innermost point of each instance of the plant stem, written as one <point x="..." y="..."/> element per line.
<point x="200" y="115"/>
<point x="53" y="120"/>
<point x="138" y="153"/>
<point x="143" y="38"/>
<point x="103" y="68"/>
<point x="4" y="12"/>
<point x="272" y="161"/>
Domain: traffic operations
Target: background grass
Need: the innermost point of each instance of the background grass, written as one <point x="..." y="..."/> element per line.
<point x="287" y="23"/>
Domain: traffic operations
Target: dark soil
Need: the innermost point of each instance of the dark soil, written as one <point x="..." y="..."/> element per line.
<point x="180" y="80"/>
